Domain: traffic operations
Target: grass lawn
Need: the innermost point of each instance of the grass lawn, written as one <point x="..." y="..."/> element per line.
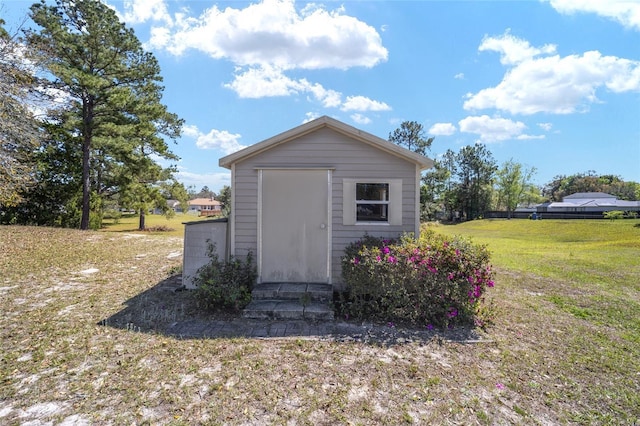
<point x="172" y="226"/>
<point x="565" y="347"/>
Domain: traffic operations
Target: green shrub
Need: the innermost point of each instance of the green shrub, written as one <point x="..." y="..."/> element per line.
<point x="113" y="214"/>
<point x="432" y="281"/>
<point x="614" y="214"/>
<point x="224" y="284"/>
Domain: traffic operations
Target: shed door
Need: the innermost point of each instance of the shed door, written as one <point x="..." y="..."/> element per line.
<point x="295" y="230"/>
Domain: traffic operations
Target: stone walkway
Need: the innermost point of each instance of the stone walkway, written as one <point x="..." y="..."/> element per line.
<point x="323" y="330"/>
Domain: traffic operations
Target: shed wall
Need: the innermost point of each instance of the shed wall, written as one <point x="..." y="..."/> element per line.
<point x="349" y="158"/>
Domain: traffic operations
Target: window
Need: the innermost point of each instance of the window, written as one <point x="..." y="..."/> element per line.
<point x="372" y="202"/>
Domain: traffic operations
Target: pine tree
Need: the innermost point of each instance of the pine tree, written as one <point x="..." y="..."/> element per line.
<point x="113" y="93"/>
<point x="19" y="129"/>
<point x="410" y="135"/>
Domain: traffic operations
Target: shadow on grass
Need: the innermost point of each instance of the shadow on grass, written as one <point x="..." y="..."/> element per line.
<point x="169" y="310"/>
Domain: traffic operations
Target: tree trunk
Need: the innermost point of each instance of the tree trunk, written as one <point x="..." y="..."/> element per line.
<point x="141" y="224"/>
<point x="87" y="112"/>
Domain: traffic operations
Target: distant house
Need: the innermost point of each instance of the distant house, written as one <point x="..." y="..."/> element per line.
<point x="589" y="202"/>
<point x="205" y="207"/>
<point x="174" y="205"/>
<point x="581" y="205"/>
<point x="171" y="205"/>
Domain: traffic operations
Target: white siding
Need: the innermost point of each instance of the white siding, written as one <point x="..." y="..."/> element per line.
<point x="349" y="159"/>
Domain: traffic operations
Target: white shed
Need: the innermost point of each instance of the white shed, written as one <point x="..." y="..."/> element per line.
<point x="299" y="198"/>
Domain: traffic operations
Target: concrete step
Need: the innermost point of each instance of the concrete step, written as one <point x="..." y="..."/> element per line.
<point x="304" y="292"/>
<point x="269" y="309"/>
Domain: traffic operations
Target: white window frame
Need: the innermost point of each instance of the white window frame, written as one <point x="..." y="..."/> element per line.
<point x="350" y="204"/>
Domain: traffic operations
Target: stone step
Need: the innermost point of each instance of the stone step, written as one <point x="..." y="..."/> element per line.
<point x="304" y="292"/>
<point x="280" y="309"/>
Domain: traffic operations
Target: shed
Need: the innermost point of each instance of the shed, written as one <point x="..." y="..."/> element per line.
<point x="300" y="197"/>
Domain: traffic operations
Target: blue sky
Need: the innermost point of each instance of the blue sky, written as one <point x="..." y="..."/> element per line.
<point x="554" y="84"/>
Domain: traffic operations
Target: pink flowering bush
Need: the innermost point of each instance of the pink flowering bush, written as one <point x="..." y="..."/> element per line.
<point x="432" y="281"/>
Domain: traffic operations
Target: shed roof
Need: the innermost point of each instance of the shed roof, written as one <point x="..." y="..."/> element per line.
<point x="335" y="125"/>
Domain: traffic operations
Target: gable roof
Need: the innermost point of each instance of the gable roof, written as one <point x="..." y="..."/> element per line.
<point x="335" y="125"/>
<point x="204" y="202"/>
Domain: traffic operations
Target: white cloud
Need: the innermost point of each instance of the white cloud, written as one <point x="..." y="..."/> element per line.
<point x="139" y="11"/>
<point x="552" y="84"/>
<point x="216" y="139"/>
<point x="266" y="81"/>
<point x="265" y="40"/>
<point x="545" y="126"/>
<point x="329" y="98"/>
<point x="529" y="137"/>
<point x="310" y="116"/>
<point x="269" y="81"/>
<point x="274" y="33"/>
<point x="190" y="131"/>
<point x="512" y="49"/>
<point x="360" y="119"/>
<point x="626" y="12"/>
<point x="442" y="129"/>
<point x="263" y="82"/>
<point x="362" y="103"/>
<point x="459" y="76"/>
<point x="215" y="181"/>
<point x="494" y="129"/>
<point x="160" y="37"/>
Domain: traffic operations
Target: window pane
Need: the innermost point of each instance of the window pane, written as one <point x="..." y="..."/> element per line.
<point x="371" y="212"/>
<point x="372" y="191"/>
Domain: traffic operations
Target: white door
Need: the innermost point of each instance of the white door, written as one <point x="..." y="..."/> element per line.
<point x="294" y="226"/>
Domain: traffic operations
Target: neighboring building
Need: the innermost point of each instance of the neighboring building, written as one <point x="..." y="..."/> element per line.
<point x="589" y="202"/>
<point x="174" y="205"/>
<point x="582" y="205"/>
<point x="299" y="198"/>
<point x="205" y="207"/>
<point x="171" y="205"/>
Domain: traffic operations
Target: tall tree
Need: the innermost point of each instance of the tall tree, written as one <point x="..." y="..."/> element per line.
<point x="225" y="198"/>
<point x="176" y="190"/>
<point x="19" y="129"/>
<point x="102" y="68"/>
<point x="411" y="135"/>
<point x="54" y="201"/>
<point x="205" y="192"/>
<point x="561" y="186"/>
<point x="437" y="192"/>
<point x="433" y="191"/>
<point x="475" y="172"/>
<point x="512" y="181"/>
<point x="143" y="179"/>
